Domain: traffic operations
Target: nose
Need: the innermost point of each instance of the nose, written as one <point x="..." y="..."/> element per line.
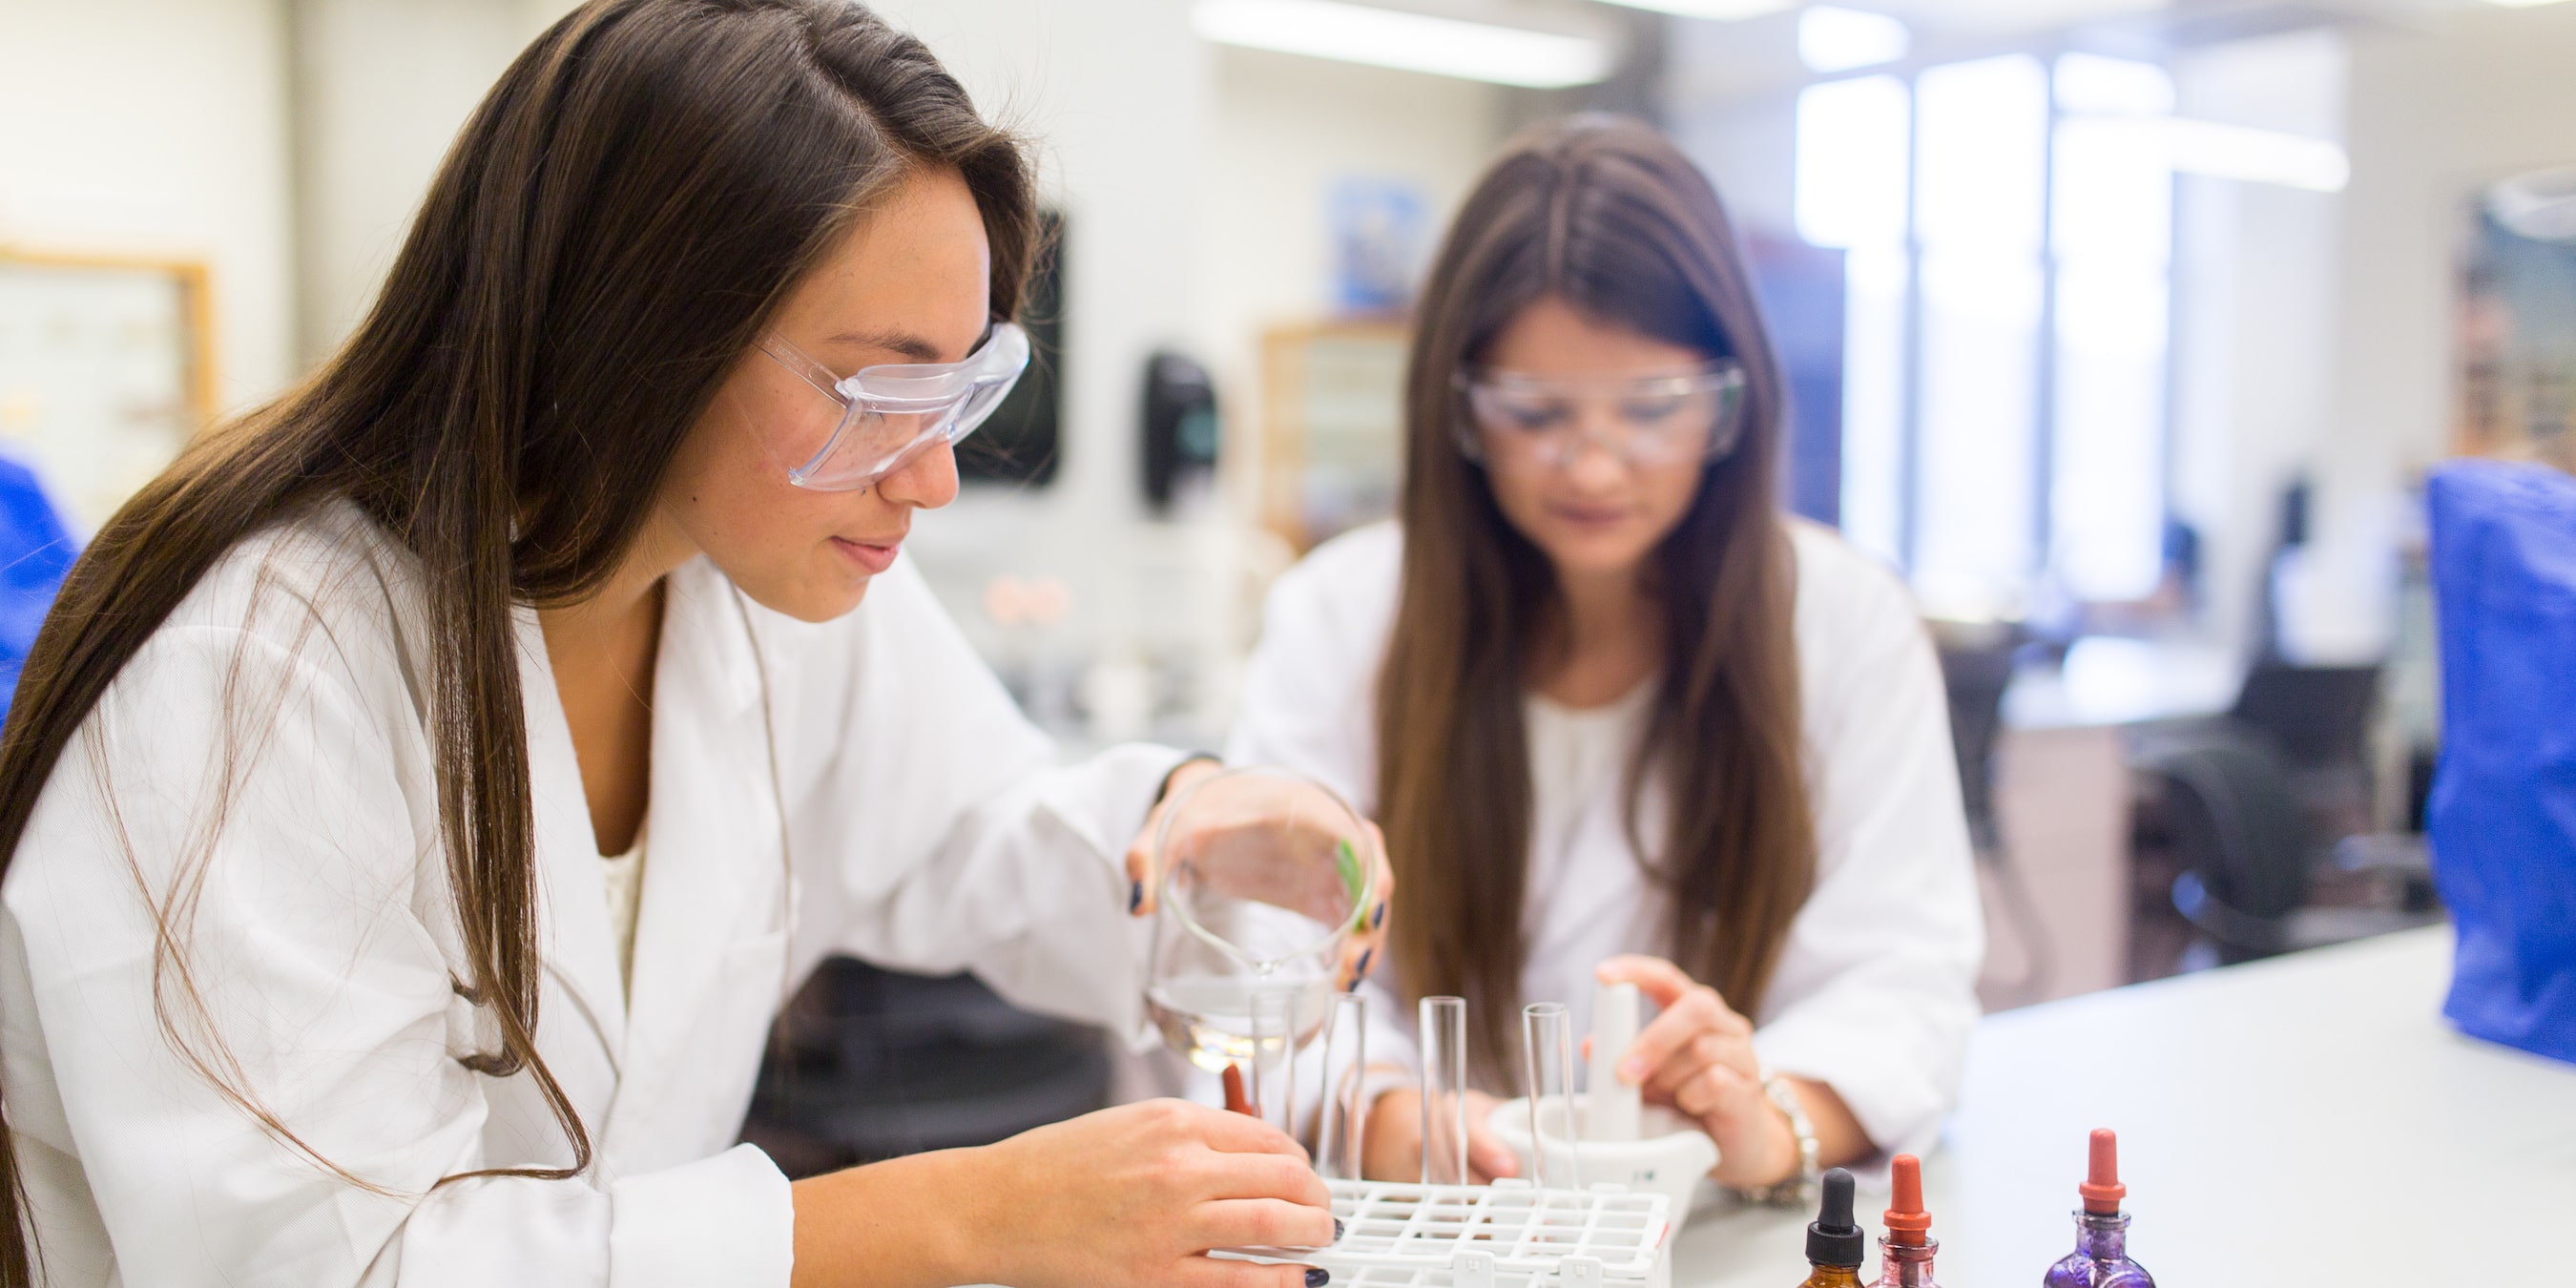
<point x="1593" y="459"/>
<point x="926" y="482"/>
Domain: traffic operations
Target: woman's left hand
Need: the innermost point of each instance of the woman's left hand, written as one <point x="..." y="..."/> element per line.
<point x="1360" y="954"/>
<point x="1698" y="1058"/>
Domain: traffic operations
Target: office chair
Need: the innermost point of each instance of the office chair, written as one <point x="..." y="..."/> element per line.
<point x="2247" y="802"/>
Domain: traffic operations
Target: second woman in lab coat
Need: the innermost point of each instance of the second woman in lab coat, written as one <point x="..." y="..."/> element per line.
<point x="1620" y="717"/>
<point x="425" y="792"/>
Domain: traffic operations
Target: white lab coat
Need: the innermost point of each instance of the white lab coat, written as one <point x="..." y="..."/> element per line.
<point x="1875" y="990"/>
<point x="926" y="830"/>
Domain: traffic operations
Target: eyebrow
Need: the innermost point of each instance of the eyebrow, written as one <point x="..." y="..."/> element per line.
<point x="903" y="342"/>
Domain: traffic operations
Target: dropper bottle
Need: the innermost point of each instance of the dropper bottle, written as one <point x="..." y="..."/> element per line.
<point x="2101" y="1256"/>
<point x="1834" y="1240"/>
<point x="1906" y="1253"/>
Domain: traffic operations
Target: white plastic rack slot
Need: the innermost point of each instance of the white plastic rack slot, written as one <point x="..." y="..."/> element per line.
<point x="1506" y="1235"/>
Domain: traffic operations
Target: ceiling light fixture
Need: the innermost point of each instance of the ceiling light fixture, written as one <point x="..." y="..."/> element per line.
<point x="1414" y="42"/>
<point x="2223" y="151"/>
<point x="1721" y="10"/>
<point x="1834" y="39"/>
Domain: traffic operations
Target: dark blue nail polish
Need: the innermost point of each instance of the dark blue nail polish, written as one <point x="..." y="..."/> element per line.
<point x="1135" y="895"/>
<point x="1318" y="1277"/>
<point x="1337" y="1229"/>
<point x="1362" y="969"/>
<point x="1378" y="918"/>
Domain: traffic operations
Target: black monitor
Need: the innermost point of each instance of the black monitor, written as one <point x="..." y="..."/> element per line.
<point x="1019" y="444"/>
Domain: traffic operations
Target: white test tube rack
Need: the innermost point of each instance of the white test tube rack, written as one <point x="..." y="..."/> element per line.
<point x="1504" y="1235"/>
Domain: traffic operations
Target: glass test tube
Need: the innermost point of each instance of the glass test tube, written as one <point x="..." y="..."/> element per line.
<point x="1444" y="1090"/>
<point x="1271" y="1081"/>
<point x="1548" y="1035"/>
<point x="1338" y="1144"/>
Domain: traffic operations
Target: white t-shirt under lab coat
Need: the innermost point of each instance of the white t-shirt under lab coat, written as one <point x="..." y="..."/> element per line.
<point x="862" y="785"/>
<point x="1875" y="991"/>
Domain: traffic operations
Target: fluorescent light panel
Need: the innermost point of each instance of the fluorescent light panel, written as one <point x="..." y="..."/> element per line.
<point x="2224" y="151"/>
<point x="1414" y="42"/>
<point x="1834" y="39"/>
<point x="1721" y="10"/>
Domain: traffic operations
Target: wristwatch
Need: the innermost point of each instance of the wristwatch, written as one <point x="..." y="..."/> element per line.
<point x="1798" y="1190"/>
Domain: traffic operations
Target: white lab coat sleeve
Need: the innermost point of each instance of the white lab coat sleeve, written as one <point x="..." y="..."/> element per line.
<point x="1876" y="988"/>
<point x="1310" y="688"/>
<point x="320" y="995"/>
<point x="956" y="845"/>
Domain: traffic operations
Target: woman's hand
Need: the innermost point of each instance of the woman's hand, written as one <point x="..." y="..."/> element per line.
<point x="1393" y="1147"/>
<point x="1698" y="1058"/>
<point x="1312" y="888"/>
<point x="1131" y="1195"/>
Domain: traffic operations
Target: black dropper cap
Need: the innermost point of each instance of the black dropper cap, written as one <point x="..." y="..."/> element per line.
<point x="1833" y="1238"/>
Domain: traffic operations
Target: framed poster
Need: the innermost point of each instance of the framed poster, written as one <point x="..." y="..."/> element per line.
<point x="1331" y="426"/>
<point x="105" y="371"/>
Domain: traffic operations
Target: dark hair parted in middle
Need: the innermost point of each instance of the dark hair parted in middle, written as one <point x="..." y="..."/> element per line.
<point x="1609" y="217"/>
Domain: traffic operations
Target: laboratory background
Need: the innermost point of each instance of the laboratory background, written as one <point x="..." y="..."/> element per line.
<point x="2138" y="337"/>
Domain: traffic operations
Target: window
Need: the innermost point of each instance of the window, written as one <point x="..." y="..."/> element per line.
<point x="2008" y="229"/>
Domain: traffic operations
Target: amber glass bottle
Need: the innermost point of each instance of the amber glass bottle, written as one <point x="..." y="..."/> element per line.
<point x="1834" y="1242"/>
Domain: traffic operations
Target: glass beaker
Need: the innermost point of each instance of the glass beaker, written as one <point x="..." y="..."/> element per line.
<point x="1265" y="875"/>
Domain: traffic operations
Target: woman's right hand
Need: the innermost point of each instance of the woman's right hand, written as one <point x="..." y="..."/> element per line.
<point x="1392" y="1149"/>
<point x="1135" y="1195"/>
<point x="1131" y="1195"/>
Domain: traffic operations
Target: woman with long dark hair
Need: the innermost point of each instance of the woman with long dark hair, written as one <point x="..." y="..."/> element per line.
<point x="1620" y="717"/>
<point x="424" y="793"/>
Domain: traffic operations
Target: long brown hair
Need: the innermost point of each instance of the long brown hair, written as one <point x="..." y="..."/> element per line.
<point x="604" y="240"/>
<point x="1608" y="216"/>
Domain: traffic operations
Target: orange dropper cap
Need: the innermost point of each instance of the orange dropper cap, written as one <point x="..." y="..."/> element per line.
<point x="2102" y="1189"/>
<point x="1907" y="1222"/>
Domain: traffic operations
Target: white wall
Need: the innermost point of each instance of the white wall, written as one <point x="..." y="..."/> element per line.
<point x="2434" y="118"/>
<point x="1283" y="130"/>
<point x="382" y="87"/>
<point x="159" y="127"/>
<point x="2255" y="315"/>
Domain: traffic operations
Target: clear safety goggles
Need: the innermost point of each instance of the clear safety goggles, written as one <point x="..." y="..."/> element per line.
<point x="1660" y="420"/>
<point x="881" y="419"/>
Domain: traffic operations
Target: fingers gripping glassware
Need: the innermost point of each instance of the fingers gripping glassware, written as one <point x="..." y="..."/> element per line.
<point x="878" y="421"/>
<point x="1265" y="876"/>
<point x="1694" y="416"/>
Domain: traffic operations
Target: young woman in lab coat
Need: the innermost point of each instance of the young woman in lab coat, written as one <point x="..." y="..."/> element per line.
<point x="312" y="970"/>
<point x="1620" y="717"/>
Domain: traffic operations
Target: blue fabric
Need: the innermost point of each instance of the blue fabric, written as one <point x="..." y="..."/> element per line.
<point x="35" y="551"/>
<point x="2502" y="819"/>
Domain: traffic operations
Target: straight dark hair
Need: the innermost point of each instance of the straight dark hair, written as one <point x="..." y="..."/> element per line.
<point x="605" y="239"/>
<point x="1608" y="216"/>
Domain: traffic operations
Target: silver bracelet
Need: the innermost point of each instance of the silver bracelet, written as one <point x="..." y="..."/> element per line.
<point x="1798" y="1191"/>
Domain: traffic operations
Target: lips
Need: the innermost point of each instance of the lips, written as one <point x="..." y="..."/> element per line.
<point x="1588" y="516"/>
<point x="871" y="557"/>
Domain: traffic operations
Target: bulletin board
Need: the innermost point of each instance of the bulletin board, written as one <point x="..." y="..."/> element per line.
<point x="1332" y="426"/>
<point x="106" y="370"/>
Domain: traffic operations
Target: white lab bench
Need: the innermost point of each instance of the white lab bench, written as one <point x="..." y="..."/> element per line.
<point x="2308" y="1119"/>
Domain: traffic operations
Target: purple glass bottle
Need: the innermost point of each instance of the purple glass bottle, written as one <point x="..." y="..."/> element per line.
<point x="2101" y="1256"/>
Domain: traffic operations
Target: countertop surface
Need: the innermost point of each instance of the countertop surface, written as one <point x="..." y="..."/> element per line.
<point x="2310" y="1118"/>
